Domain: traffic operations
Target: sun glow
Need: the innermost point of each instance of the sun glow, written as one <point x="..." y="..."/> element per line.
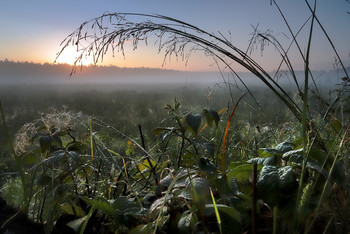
<point x="70" y="55"/>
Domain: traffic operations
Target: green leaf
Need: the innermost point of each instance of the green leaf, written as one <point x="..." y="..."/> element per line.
<point x="45" y="143"/>
<point x="281" y="148"/>
<point x="143" y="229"/>
<point x="268" y="185"/>
<point x="166" y="181"/>
<point x="75" y="156"/>
<point x="121" y="203"/>
<point x="211" y="116"/>
<point x="287" y="179"/>
<point x="285" y="146"/>
<point x="294" y="154"/>
<point x="201" y="185"/>
<point x="320" y="156"/>
<point x="55" y="158"/>
<point x="188" y="160"/>
<point x="57" y="140"/>
<point x="184" y="223"/>
<point x="163" y="130"/>
<point x="77" y="147"/>
<point x="193" y="121"/>
<point x="207" y="146"/>
<point x="30" y="159"/>
<point x="271" y="151"/>
<point x="43" y="180"/>
<point x="275" y="183"/>
<point x="241" y="171"/>
<point x="257" y="160"/>
<point x="101" y="204"/>
<point x="72" y="209"/>
<point x="76" y="224"/>
<point x="337" y="124"/>
<point x="265" y="161"/>
<point x="339" y="174"/>
<point x="146" y="166"/>
<point x="206" y="165"/>
<point x="231" y="212"/>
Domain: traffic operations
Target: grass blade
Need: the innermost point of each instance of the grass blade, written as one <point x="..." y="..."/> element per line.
<point x="223" y="159"/>
<point x="216" y="211"/>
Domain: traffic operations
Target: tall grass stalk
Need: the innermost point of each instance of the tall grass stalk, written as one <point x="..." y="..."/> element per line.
<point x="305" y="136"/>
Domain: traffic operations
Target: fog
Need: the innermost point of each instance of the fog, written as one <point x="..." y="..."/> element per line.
<point x="25" y="75"/>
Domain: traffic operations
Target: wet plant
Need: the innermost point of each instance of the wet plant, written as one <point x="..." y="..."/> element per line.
<point x="304" y="166"/>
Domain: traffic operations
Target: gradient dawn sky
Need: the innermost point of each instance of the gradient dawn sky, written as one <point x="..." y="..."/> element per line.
<point x="33" y="30"/>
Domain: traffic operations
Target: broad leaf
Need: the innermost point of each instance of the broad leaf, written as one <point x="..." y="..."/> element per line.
<point x="101" y="204"/>
<point x="43" y="180"/>
<point x="184" y="223"/>
<point x="231" y="212"/>
<point x="268" y="185"/>
<point x="211" y="116"/>
<point x="294" y="154"/>
<point x="287" y="179"/>
<point x="72" y="209"/>
<point x="193" y="121"/>
<point x="285" y="146"/>
<point x="76" y="224"/>
<point x="241" y="171"/>
<point x="265" y="161"/>
<point x="30" y="159"/>
<point x="45" y="143"/>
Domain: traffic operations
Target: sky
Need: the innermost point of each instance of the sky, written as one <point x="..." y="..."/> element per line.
<point x="33" y="30"/>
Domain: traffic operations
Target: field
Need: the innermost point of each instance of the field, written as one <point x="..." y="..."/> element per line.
<point x="160" y="150"/>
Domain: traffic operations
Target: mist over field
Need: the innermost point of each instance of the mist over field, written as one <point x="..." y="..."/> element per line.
<point x="34" y="74"/>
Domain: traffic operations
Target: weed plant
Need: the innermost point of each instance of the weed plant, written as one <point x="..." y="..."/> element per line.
<point x="206" y="172"/>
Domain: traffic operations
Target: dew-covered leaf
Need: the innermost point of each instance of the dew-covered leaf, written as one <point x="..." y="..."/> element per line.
<point x="285" y="146"/>
<point x="184" y="223"/>
<point x="286" y="177"/>
<point x="293" y="153"/>
<point x="268" y="185"/>
<point x="166" y="181"/>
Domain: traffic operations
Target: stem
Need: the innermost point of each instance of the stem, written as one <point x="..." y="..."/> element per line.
<point x="254" y="195"/>
<point x="274" y="230"/>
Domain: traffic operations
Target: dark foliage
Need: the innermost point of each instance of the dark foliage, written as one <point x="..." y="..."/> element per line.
<point x="14" y="222"/>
